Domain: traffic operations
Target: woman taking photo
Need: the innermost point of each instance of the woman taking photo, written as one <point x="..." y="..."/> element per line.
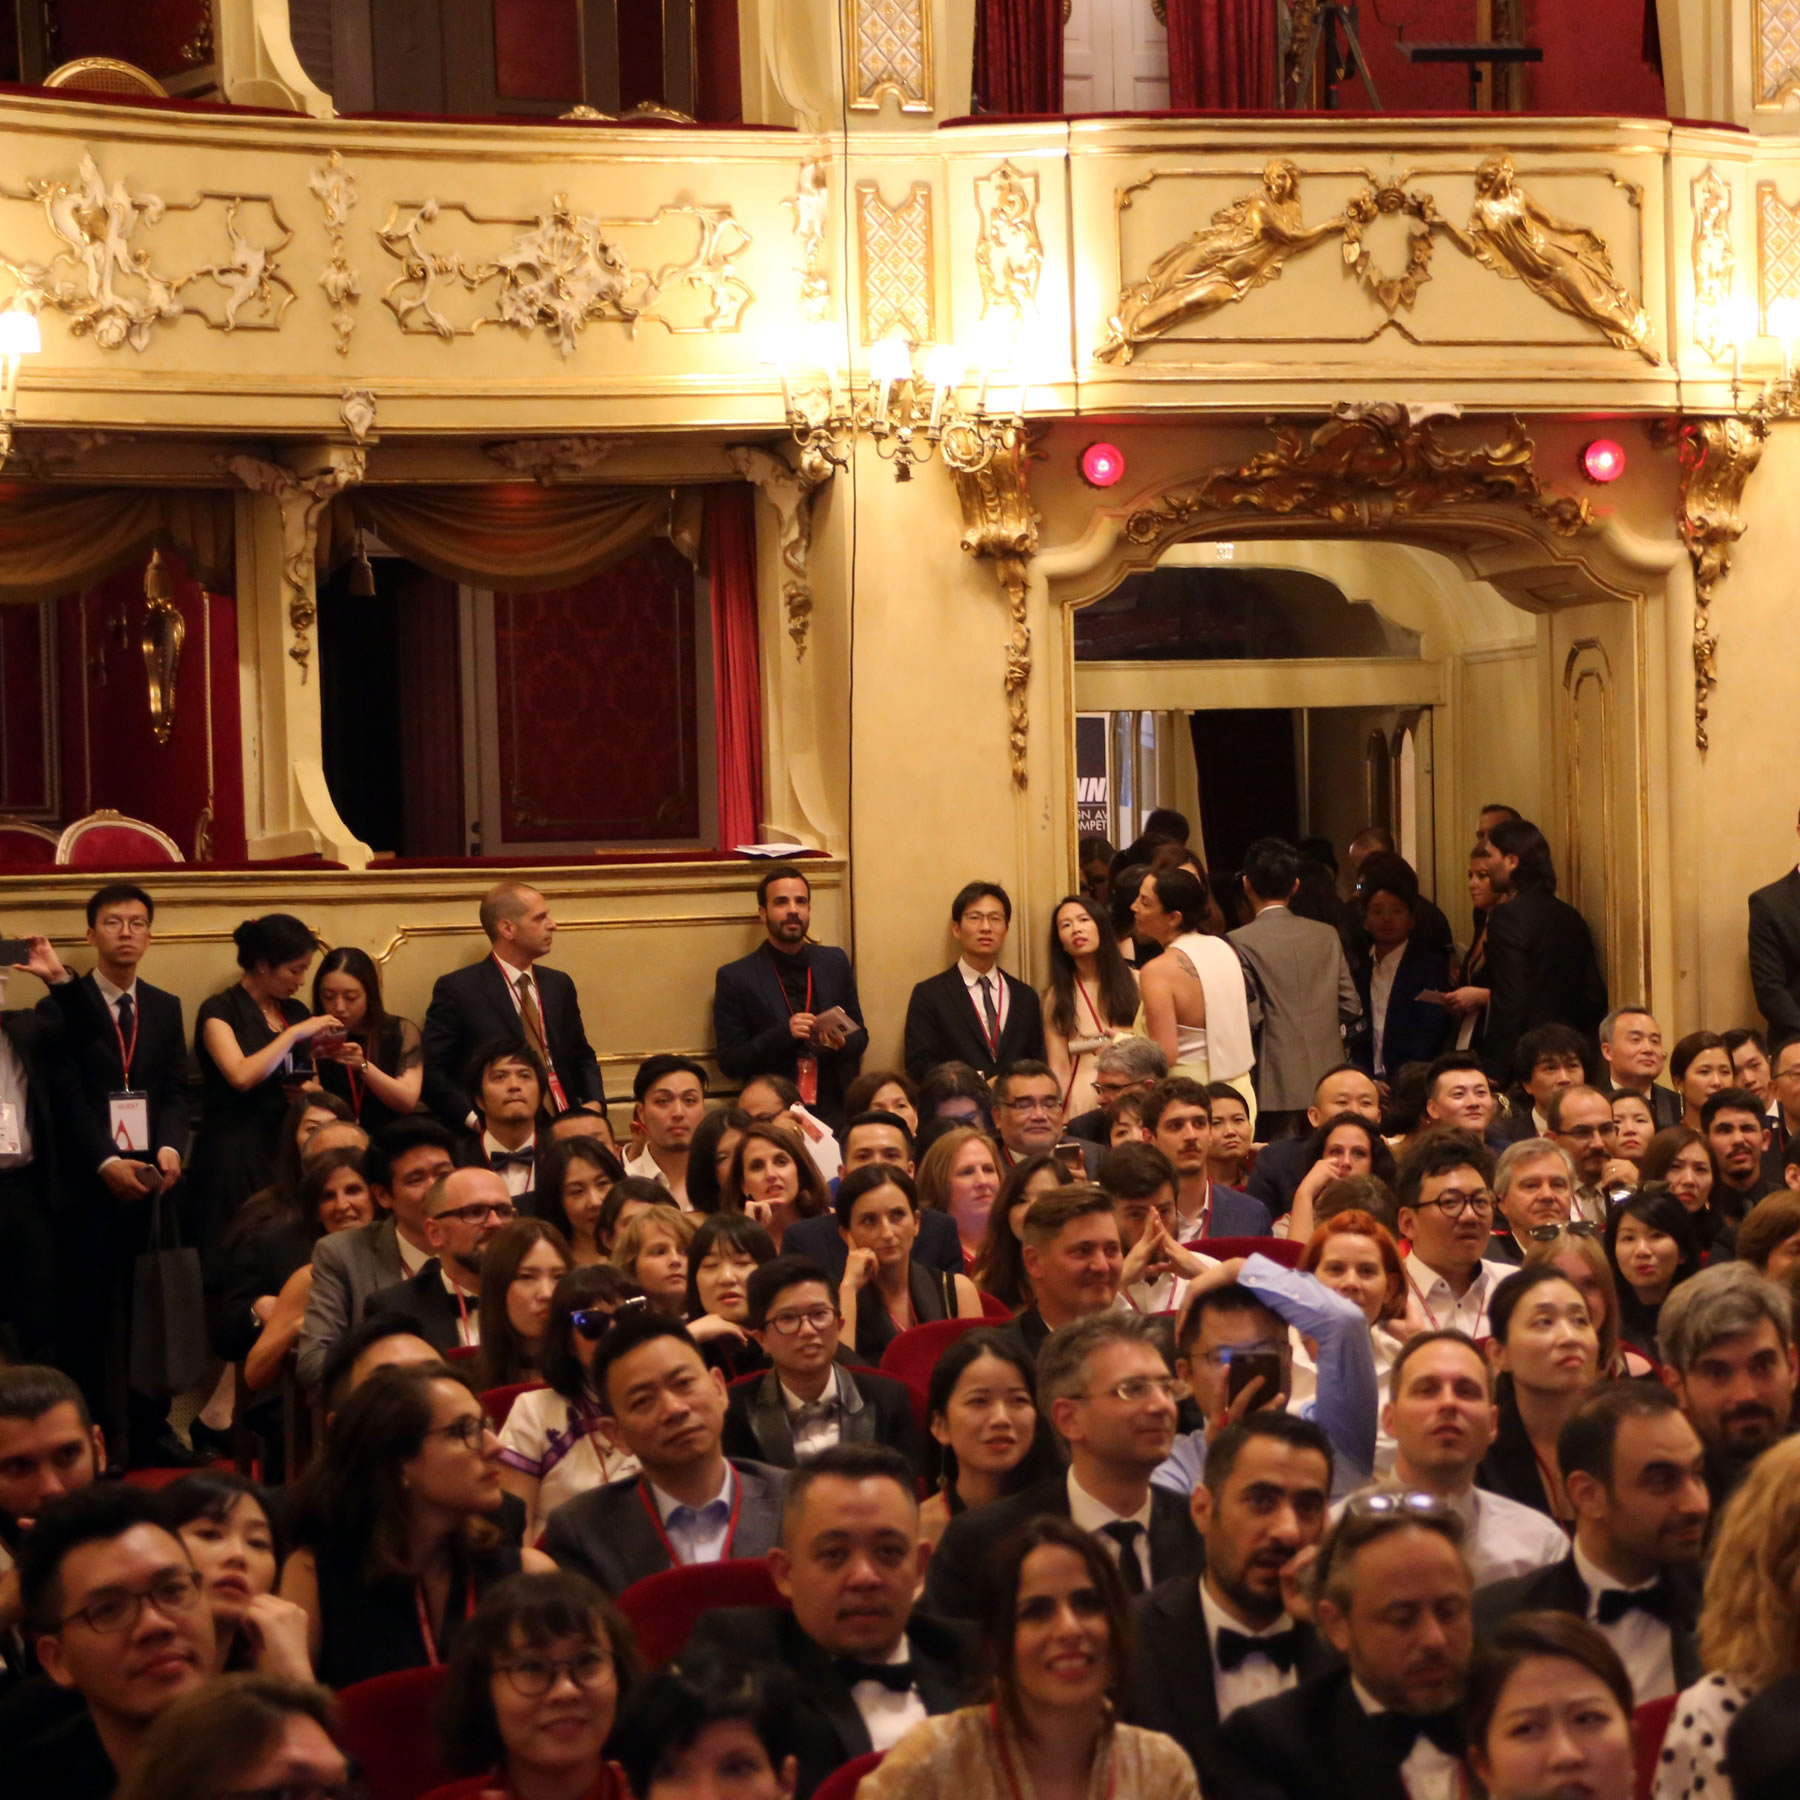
<point x="1581" y="1256"/>
<point x="1651" y="1245"/>
<point x="885" y="1291"/>
<point x="520" y="1268"/>
<point x="1682" y="1159"/>
<point x="397" y="1533"/>
<point x="1056" y="1639"/>
<point x="552" y="1446"/>
<point x="377" y="1067"/>
<point x="709" y="1157"/>
<point x="773" y="1180"/>
<point x="574" y="1176"/>
<point x="1000" y="1265"/>
<point x="532" y="1692"/>
<point x="1699" y="1066"/>
<point x="651" y="1251"/>
<point x="1091" y="999"/>
<point x="726" y="1251"/>
<point x="960" y="1175"/>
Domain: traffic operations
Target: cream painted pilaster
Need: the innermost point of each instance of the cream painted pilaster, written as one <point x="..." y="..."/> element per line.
<point x="257" y="63"/>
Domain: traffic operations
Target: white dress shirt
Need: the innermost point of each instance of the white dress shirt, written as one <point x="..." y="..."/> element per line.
<point x="1644" y="1642"/>
<point x="12" y="1093"/>
<point x="1091" y="1515"/>
<point x="972" y="980"/>
<point x="1256" y="1677"/>
<point x="1428" y="1773"/>
<point x="887" y="1715"/>
<point x="646" y="1166"/>
<point x="816" y="1424"/>
<point x="520" y="1178"/>
<point x="468" y="1326"/>
<point x="412" y="1258"/>
<point x="1439" y="1299"/>
<point x="1503" y="1537"/>
<point x="1381" y="987"/>
<point x="698" y="1534"/>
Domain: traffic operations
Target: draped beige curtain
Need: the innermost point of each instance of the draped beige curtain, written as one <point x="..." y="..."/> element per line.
<point x="56" y="539"/>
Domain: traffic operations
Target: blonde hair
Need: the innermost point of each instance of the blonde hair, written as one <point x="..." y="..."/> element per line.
<point x="1750" y="1622"/>
<point x="629" y="1244"/>
<point x="933" y="1178"/>
<point x="1592" y="1252"/>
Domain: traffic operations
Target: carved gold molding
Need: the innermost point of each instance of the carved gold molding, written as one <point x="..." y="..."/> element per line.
<point x="1777" y="249"/>
<point x="1587" y="665"/>
<point x="356" y="407"/>
<point x="335" y="189"/>
<point x="890" y="42"/>
<point x="1009" y="253"/>
<point x="790" y="491"/>
<point x="546" y="460"/>
<point x="1715" y="262"/>
<point x="810" y="201"/>
<point x="895" y="253"/>
<point x="164" y="633"/>
<point x="1778" y="52"/>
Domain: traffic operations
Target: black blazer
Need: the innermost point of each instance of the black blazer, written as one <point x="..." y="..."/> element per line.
<point x="750" y="1022"/>
<point x="1510" y="1467"/>
<point x="1172" y="1689"/>
<point x="1560" y="1588"/>
<point x="958" y="1575"/>
<point x="1413" y="1030"/>
<point x="943" y="1026"/>
<point x="1314" y="1742"/>
<point x="39" y="1045"/>
<point x="757" y="1427"/>
<point x="424" y="1300"/>
<point x="158" y="1066"/>
<point x="826" y="1730"/>
<point x="1775" y="954"/>
<point x="1541" y="970"/>
<point x="471" y="1007"/>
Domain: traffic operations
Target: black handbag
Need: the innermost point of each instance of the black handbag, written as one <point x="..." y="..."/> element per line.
<point x="169" y="1347"/>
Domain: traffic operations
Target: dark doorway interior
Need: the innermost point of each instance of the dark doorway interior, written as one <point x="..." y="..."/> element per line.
<point x="1249" y="780"/>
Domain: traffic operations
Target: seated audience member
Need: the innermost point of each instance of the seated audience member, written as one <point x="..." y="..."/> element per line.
<point x="1091" y="998"/>
<point x="709" y="1156"/>
<point x="1355" y="1256"/>
<point x="1762" y="1746"/>
<point x="726" y="1251"/>
<point x="1050" y="1720"/>
<point x="1282" y="1164"/>
<point x="959" y="1176"/>
<point x="956" y="1092"/>
<point x="1000" y="1268"/>
<point x="1028" y="1110"/>
<point x="1549" y="1712"/>
<point x="378" y="1066"/>
<point x="519" y="1273"/>
<point x="1359" y="1193"/>
<point x="1232" y="1148"/>
<point x="1178" y="1116"/>
<point x="1128" y="1068"/>
<point x="1403" y="1120"/>
<point x="1551" y="1060"/>
<point x="1634" y="1125"/>
<point x="688" y="1503"/>
<point x="1341" y="1148"/>
<point x="397" y="1532"/>
<point x="767" y="1098"/>
<point x="1726" y="1344"/>
<point x="532" y="1690"/>
<point x="1735" y="1125"/>
<point x="809" y="1400"/>
<point x="464" y="1213"/>
<point x="1650" y="1242"/>
<point x="876" y="1137"/>
<point x="1247" y="1308"/>
<point x="988" y="1440"/>
<point x="1103" y="1384"/>
<point x="773" y="1180"/>
<point x="114" y="1609"/>
<point x="1391" y="1593"/>
<point x="707" y="1726"/>
<point x="651" y="1252"/>
<point x="1534" y="1195"/>
<point x="1073" y="1260"/>
<point x="409" y="1158"/>
<point x="1749" y="1625"/>
<point x="1547" y="1351"/>
<point x="1125" y="1121"/>
<point x="1632" y="1467"/>
<point x="1444" y="1186"/>
<point x="382" y="1342"/>
<point x="1581" y="1122"/>
<point x="1401" y="1028"/>
<point x="1209" y="1647"/>
<point x="554" y="1444"/>
<point x="242" y="1734"/>
<point x="1699" y="1066"/>
<point x="1458" y="1093"/>
<point x="507" y="1079"/>
<point x="885" y="1289"/>
<point x="1683" y="1160"/>
<point x="884" y="1090"/>
<point x="1769" y="1238"/>
<point x="670" y="1096"/>
<point x="627" y="1199"/>
<point x="866" y="1665"/>
<point x="1750" y="1070"/>
<point x="1631" y="1048"/>
<point x="49" y="1448"/>
<point x="1577" y="1253"/>
<point x="574" y="1176"/>
<point x="586" y="1118"/>
<point x="1141" y="1183"/>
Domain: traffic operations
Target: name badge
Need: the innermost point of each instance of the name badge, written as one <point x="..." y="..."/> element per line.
<point x="9" y="1128"/>
<point x="128" y="1122"/>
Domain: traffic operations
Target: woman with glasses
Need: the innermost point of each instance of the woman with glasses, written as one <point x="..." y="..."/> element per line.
<point x="1000" y="1265"/>
<point x="398" y="1540"/>
<point x="1578" y="1252"/>
<point x="378" y="1066"/>
<point x="1056" y="1640"/>
<point x="960" y="1175"/>
<point x="519" y="1272"/>
<point x="1651" y="1245"/>
<point x="574" y="1177"/>
<point x="552" y="1446"/>
<point x="532" y="1692"/>
<point x="885" y="1289"/>
<point x="1092" y="998"/>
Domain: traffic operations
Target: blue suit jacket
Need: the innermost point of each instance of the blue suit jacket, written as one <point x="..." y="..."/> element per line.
<point x="1415" y="1029"/>
<point x="1236" y="1214"/>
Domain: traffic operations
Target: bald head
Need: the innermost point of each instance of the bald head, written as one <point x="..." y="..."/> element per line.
<point x="462" y="1214"/>
<point x="517" y="921"/>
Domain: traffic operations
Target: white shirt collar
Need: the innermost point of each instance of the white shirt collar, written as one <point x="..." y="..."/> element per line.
<point x="412" y="1259"/>
<point x="1090" y="1514"/>
<point x="833" y="1395"/>
<point x="111" y="993"/>
<point x="973" y="977"/>
<point x="1217" y="1619"/>
<point x="667" y="1503"/>
<point x="1597" y="1582"/>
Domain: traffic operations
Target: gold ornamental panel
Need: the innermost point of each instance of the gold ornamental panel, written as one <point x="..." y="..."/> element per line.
<point x="1777" y="250"/>
<point x="1778" y="52"/>
<point x="1715" y="263"/>
<point x="894" y="246"/>
<point x="891" y="42"/>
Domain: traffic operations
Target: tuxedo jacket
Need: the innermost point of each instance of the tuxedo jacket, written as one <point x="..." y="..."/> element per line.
<point x="826" y="1730"/>
<point x="423" y="1299"/>
<point x="750" y="1022"/>
<point x="96" y="1070"/>
<point x="1413" y="1030"/>
<point x="942" y="1025"/>
<point x="1172" y="1688"/>
<point x="472" y="1007"/>
<point x="1314" y="1742"/>
<point x="1541" y="970"/>
<point x="757" y="1425"/>
<point x="606" y="1533"/>
<point x="348" y="1267"/>
<point x="1775" y="954"/>
<point x="957" y="1577"/>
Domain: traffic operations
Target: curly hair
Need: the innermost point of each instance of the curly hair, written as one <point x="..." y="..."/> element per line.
<point x="1750" y="1622"/>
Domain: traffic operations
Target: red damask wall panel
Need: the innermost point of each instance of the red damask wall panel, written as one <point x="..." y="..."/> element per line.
<point x="26" y="711"/>
<point x="537" y="49"/>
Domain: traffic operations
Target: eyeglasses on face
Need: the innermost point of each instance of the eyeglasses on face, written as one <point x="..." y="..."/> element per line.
<point x="534" y="1676"/>
<point x="114" y="1610"/>
<point x="477" y="1210"/>
<point x="1133" y="1390"/>
<point x="788" y="1324"/>
<point x="1031" y="1103"/>
<point x="470" y="1430"/>
<point x="1453" y="1206"/>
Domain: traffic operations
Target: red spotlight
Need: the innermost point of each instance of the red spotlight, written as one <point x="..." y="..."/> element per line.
<point x="1603" y="460"/>
<point x="1102" y="465"/>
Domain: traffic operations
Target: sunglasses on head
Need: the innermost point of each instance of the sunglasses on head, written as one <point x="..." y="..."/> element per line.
<point x="1542" y="1234"/>
<point x="594" y="1322"/>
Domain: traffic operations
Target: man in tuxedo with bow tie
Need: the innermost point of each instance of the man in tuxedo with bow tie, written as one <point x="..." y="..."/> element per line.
<point x="507" y="1079"/>
<point x="1228" y="1639"/>
<point x="1393" y="1600"/>
<point x="463" y="1211"/>
<point x="974" y="1012"/>
<point x="1635" y="1473"/>
<point x="868" y="1666"/>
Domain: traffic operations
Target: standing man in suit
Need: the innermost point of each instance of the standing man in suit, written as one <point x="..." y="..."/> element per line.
<point x="1302" y="981"/>
<point x="770" y="1008"/>
<point x="1393" y="1600"/>
<point x="1228" y="1640"/>
<point x="1178" y="1115"/>
<point x="462" y="1214"/>
<point x="974" y="1012"/>
<point x="508" y="994"/>
<point x="1635" y="1473"/>
<point x="867" y="1665"/>
<point x="1775" y="954"/>
<point x="688" y="1503"/>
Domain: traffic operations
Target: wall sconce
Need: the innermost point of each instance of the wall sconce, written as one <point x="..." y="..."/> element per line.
<point x="19" y="338"/>
<point x="165" y="631"/>
<point x="1779" y="395"/>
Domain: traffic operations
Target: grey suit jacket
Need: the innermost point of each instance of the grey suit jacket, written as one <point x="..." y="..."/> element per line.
<point x="348" y="1266"/>
<point x="1303" y="983"/>
<point x="606" y="1534"/>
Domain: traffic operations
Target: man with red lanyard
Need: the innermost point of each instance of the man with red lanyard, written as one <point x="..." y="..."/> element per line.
<point x="1447" y="1215"/>
<point x="462" y="1213"/>
<point x="689" y="1502"/>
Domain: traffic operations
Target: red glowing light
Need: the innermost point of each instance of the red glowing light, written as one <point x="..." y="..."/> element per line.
<point x="1603" y="460"/>
<point x="1102" y="465"/>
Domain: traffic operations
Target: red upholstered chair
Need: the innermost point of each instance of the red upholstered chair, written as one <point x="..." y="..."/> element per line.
<point x="388" y="1725"/>
<point x="1223" y="1249"/>
<point x="993" y="1307"/>
<point x="462" y="1352"/>
<point x="106" y="839"/>
<point x="497" y="1402"/>
<point x="1649" y="1726"/>
<point x="911" y="1356"/>
<point x="664" y="1608"/>
<point x="841" y="1784"/>
<point x="23" y="843"/>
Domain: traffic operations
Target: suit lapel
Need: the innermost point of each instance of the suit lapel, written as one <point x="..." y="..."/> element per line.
<point x="1180" y="1642"/>
<point x="1350" y="1753"/>
<point x="964" y="1007"/>
<point x="1171" y="1532"/>
<point x="629" y="1540"/>
<point x="769" y="1423"/>
<point x="818" y="1676"/>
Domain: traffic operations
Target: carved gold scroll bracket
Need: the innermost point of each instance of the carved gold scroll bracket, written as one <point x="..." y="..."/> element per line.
<point x="164" y="633"/>
<point x="790" y="491"/>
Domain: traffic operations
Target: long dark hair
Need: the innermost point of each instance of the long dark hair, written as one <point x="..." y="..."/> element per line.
<point x="553" y="1168"/>
<point x="738" y="1230"/>
<point x="1117" y="1000"/>
<point x="588" y="1287"/>
<point x="704" y="1191"/>
<point x="1381" y="1158"/>
<point x="360" y="967"/>
<point x="280" y="1205"/>
<point x="1040" y="1458"/>
<point x="214" y="1494"/>
<point x="505" y="1356"/>
<point x="1000" y="1266"/>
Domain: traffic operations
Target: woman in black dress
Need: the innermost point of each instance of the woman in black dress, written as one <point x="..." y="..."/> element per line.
<point x="255" y="1044"/>
<point x="885" y="1288"/>
<point x="378" y="1069"/>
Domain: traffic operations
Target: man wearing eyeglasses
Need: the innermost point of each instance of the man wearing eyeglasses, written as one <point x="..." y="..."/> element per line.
<point x="1028" y="1109"/>
<point x="117" y="1612"/>
<point x="463" y="1211"/>
<point x="1534" y="1188"/>
<point x="1447" y="1213"/>
<point x="1581" y="1122"/>
<point x="1128" y="1065"/>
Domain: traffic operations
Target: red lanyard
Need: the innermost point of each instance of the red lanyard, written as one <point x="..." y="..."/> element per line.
<point x="1549" y="1481"/>
<point x="782" y="985"/>
<point x="126" y="1056"/>
<point x="462" y="1312"/>
<point x="356" y="1090"/>
<point x="425" y="1632"/>
<point x="1012" y="1776"/>
<point x="656" y="1522"/>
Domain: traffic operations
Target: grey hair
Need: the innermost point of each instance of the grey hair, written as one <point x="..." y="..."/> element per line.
<point x="1610" y="1023"/>
<point x="1528" y="1150"/>
<point x="1063" y="1359"/>
<point x="1718" y="1303"/>
<point x="1334" y="1574"/>
<point x="1135" y="1057"/>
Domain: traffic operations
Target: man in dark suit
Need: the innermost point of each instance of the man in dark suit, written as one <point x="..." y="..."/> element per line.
<point x="1775" y="954"/>
<point x="809" y="1402"/>
<point x="1104" y="1385"/>
<point x="867" y="1666"/>
<point x="1394" y="1602"/>
<point x="1227" y="1640"/>
<point x="771" y="1008"/>
<point x="1029" y="1111"/>
<point x="688" y="1503"/>
<point x="508" y="994"/>
<point x="1631" y="1047"/>
<point x="974" y="1012"/>
<point x="463" y="1211"/>
<point x="1534" y="1189"/>
<point x="1635" y="1473"/>
<point x="1178" y="1116"/>
<point x="1074" y="1257"/>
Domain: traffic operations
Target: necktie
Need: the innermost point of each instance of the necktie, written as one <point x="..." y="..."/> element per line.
<point x="897" y="1678"/>
<point x="990" y="1012"/>
<point x="127" y="1030"/>
<point x="1282" y="1648"/>
<point x="534" y="1020"/>
<point x="1125" y="1533"/>
<point x="1614" y="1603"/>
<point x="1400" y="1732"/>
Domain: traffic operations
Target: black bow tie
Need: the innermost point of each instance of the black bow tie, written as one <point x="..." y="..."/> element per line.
<point x="1658" y="1600"/>
<point x="1400" y="1732"/>
<point x="512" y="1159"/>
<point x="1282" y="1648"/>
<point x="898" y="1678"/>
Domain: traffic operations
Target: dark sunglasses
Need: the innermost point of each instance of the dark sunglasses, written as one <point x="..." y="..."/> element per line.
<point x="594" y="1322"/>
<point x="1542" y="1234"/>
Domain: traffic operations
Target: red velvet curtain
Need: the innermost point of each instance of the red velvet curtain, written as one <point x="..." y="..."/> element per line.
<point x="1221" y="55"/>
<point x="1019" y="56"/>
<point x="730" y="551"/>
